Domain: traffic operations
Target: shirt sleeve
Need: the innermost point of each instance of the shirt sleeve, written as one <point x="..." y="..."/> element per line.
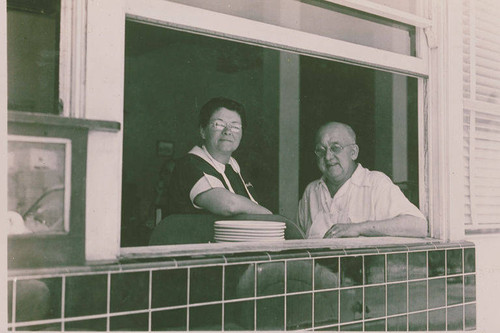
<point x="205" y="183"/>
<point x="187" y="181"/>
<point x="304" y="219"/>
<point x="391" y="202"/>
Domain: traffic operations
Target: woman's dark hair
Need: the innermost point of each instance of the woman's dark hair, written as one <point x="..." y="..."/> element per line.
<point x="215" y="104"/>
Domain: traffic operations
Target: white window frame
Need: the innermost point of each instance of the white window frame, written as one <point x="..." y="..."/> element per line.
<point x="440" y="166"/>
<point x="444" y="122"/>
<point x="230" y="27"/>
<point x="388" y="12"/>
<point x="3" y="138"/>
<point x="71" y="80"/>
<point x="71" y="56"/>
<point x="477" y="107"/>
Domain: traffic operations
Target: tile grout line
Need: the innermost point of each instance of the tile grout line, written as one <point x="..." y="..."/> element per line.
<point x="427" y="289"/>
<point x="255" y="297"/>
<point x="446" y="288"/>
<point x="118" y="314"/>
<point x="273" y="295"/>
<point x="223" y="304"/>
<point x="363" y="305"/>
<point x="407" y="292"/>
<point x="188" y="305"/>
<point x="285" y="263"/>
<point x="108" y="302"/>
<point x="385" y="281"/>
<point x="374" y="319"/>
<point x="463" y="289"/>
<point x="63" y="302"/>
<point x="313" y="296"/>
<point x="338" y="293"/>
<point x="150" y="301"/>
<point x="14" y="301"/>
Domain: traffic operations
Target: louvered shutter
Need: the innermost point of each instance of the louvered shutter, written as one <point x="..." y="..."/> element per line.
<point x="481" y="91"/>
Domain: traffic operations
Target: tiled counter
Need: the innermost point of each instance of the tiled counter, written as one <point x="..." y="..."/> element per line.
<point x="426" y="285"/>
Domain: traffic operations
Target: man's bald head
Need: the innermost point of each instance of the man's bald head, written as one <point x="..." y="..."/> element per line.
<point x="336" y="126"/>
<point x="336" y="152"/>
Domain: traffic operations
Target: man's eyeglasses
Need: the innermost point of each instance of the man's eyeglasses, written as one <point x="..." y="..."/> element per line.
<point x="220" y="125"/>
<point x="334" y="148"/>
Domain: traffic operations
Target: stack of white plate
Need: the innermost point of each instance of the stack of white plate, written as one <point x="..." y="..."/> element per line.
<point x="248" y="231"/>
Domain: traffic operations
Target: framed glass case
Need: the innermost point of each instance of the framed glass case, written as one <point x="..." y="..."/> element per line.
<point x="46" y="191"/>
<point x="39" y="185"/>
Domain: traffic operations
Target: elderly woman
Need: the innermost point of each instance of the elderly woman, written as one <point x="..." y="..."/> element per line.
<point x="208" y="179"/>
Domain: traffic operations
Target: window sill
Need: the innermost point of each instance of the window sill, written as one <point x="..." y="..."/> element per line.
<point x="53" y="120"/>
<point x="133" y="259"/>
<point x="344" y="245"/>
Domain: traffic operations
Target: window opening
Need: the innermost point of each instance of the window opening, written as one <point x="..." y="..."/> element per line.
<point x="169" y="74"/>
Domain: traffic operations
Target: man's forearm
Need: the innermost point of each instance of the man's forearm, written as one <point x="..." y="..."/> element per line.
<point x="403" y="226"/>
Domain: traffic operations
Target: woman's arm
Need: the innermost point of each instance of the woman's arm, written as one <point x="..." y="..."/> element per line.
<point x="223" y="202"/>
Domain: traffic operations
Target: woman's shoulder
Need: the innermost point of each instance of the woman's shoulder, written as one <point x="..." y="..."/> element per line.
<point x="193" y="163"/>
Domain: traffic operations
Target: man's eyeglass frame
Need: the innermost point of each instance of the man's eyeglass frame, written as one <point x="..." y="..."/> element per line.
<point x="334" y="148"/>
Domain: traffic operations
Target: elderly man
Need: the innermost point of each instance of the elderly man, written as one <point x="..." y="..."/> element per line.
<point x="349" y="200"/>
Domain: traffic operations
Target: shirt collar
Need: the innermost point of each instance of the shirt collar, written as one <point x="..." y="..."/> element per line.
<point x="359" y="176"/>
<point x="205" y="155"/>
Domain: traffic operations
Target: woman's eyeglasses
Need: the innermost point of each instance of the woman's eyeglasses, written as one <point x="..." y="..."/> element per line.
<point x="220" y="125"/>
<point x="334" y="148"/>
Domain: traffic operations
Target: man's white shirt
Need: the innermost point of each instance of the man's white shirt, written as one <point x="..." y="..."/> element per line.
<point x="366" y="196"/>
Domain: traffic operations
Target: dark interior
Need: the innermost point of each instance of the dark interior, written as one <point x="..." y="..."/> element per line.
<point x="169" y="74"/>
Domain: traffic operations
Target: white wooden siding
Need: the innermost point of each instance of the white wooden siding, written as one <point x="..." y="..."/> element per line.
<point x="481" y="88"/>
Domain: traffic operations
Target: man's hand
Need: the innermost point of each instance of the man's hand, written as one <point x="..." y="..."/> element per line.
<point x="402" y="226"/>
<point x="343" y="230"/>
